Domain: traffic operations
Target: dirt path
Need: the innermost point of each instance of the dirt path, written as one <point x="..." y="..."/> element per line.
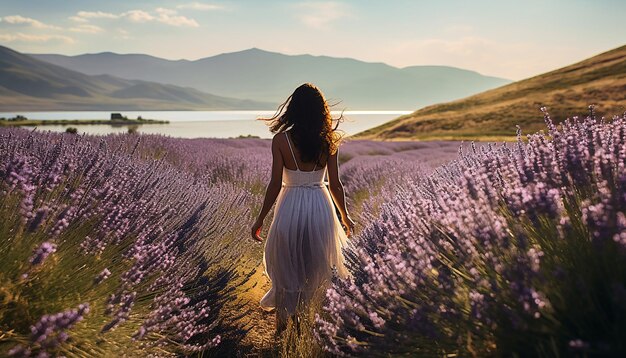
<point x="262" y="323"/>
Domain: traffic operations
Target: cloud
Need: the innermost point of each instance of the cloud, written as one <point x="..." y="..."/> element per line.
<point x="165" y="12"/>
<point x="169" y="17"/>
<point x="160" y="15"/>
<point x="78" y="19"/>
<point x="20" y="37"/>
<point x="96" y="15"/>
<point x="27" y="21"/>
<point x="85" y="16"/>
<point x="86" y="28"/>
<point x="200" y="6"/>
<point x="139" y="16"/>
<point x="319" y="15"/>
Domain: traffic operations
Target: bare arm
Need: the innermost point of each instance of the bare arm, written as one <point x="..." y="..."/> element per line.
<point x="337" y="192"/>
<point x="273" y="189"/>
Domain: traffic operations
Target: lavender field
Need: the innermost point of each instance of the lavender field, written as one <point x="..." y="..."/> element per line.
<point x="138" y="245"/>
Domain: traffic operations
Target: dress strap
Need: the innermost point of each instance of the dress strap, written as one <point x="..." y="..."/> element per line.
<point x="291" y="150"/>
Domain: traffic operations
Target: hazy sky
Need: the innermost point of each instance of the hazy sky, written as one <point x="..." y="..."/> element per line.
<point x="512" y="39"/>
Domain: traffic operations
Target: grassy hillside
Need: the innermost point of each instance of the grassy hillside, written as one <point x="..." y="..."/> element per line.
<point x="493" y="114"/>
<point x="28" y="84"/>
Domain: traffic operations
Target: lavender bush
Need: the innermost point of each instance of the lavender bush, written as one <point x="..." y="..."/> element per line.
<point x="142" y="233"/>
<point x="373" y="172"/>
<point x="509" y="250"/>
<point x="131" y="244"/>
<point x="142" y="246"/>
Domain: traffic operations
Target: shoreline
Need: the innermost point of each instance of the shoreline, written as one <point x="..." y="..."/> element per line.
<point x="63" y="122"/>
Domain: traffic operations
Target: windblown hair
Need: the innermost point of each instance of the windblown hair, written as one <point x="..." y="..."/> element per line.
<point x="307" y="115"/>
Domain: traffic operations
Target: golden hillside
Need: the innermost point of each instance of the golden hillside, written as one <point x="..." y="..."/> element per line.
<point x="565" y="92"/>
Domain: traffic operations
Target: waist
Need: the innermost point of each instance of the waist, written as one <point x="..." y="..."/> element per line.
<point x="305" y="185"/>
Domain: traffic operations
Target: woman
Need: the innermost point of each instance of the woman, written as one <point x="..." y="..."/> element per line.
<point x="305" y="239"/>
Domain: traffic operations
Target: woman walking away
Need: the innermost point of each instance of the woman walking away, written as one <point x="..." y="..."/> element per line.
<point x="305" y="239"/>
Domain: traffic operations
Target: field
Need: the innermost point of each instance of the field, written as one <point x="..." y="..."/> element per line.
<point x="139" y="244"/>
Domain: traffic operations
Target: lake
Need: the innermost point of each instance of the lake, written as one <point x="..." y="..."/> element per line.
<point x="202" y="124"/>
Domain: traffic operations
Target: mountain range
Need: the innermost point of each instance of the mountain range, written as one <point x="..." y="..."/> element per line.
<point x="270" y="77"/>
<point x="565" y="92"/>
<point x="108" y="81"/>
<point x="30" y="84"/>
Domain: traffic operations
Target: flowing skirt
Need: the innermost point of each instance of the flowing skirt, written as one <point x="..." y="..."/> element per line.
<point x="303" y="248"/>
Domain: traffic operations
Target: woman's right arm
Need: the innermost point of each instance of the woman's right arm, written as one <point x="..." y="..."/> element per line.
<point x="337" y="192"/>
<point x="273" y="189"/>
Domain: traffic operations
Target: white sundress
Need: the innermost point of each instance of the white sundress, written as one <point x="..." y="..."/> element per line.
<point x="305" y="240"/>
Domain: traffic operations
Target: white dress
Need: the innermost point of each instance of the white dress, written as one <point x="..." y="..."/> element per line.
<point x="304" y="243"/>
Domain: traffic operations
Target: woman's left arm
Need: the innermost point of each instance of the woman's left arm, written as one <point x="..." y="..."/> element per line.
<point x="273" y="189"/>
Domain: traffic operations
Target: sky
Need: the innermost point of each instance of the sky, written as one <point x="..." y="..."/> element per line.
<point x="504" y="38"/>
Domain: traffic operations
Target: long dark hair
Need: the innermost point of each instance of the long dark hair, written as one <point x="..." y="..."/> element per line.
<point x="306" y="113"/>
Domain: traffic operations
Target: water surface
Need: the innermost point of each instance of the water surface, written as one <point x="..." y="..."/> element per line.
<point x="201" y="124"/>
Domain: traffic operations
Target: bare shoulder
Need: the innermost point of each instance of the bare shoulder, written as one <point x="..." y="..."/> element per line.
<point x="278" y="140"/>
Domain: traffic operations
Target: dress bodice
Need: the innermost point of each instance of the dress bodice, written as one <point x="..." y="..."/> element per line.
<point x="300" y="178"/>
<point x="296" y="178"/>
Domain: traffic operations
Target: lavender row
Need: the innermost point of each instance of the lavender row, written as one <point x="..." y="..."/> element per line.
<point x="509" y="250"/>
<point x="140" y="231"/>
<point x="102" y="223"/>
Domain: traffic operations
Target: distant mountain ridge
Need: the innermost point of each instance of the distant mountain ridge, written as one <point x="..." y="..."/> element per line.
<point x="271" y="77"/>
<point x="565" y="92"/>
<point x="30" y="84"/>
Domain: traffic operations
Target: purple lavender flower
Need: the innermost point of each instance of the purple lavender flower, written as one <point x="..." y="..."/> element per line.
<point x="42" y="252"/>
<point x="39" y="218"/>
<point x="103" y="275"/>
<point x="50" y="332"/>
<point x="19" y="351"/>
